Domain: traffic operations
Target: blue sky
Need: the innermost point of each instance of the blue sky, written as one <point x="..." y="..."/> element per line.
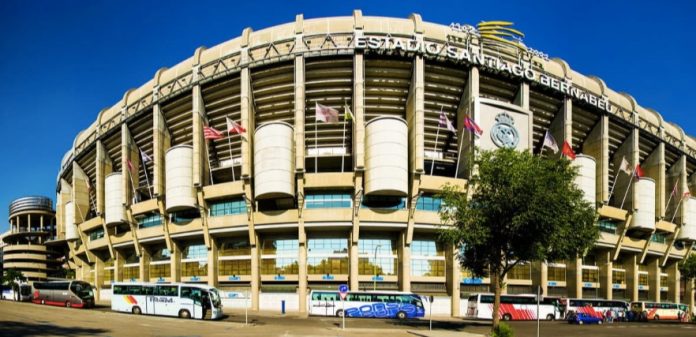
<point x="62" y="62"/>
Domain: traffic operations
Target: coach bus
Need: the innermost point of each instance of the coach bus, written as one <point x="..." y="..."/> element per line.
<point x="513" y="307"/>
<point x="594" y="307"/>
<point x="174" y="299"/>
<point x="659" y="311"/>
<point x="24" y="293"/>
<point x="64" y="293"/>
<point x="374" y="304"/>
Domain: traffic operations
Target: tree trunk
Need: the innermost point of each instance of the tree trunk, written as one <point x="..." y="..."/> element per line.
<point x="495" y="282"/>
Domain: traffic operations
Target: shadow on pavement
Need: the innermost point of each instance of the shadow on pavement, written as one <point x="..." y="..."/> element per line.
<point x="22" y="329"/>
<point x="439" y="325"/>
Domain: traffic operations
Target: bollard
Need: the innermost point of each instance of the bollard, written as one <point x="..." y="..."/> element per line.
<point x="282" y="307"/>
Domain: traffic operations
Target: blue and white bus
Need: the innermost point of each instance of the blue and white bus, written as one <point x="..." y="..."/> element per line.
<point x="377" y="304"/>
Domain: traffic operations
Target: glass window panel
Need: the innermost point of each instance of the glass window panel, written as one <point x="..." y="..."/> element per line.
<point x="195" y="251"/>
<point x="328" y="200"/>
<point x="234" y="247"/>
<point x="150" y="220"/>
<point x="234" y="267"/>
<point x="195" y="268"/>
<point x="227" y="207"/>
<point x="427" y="267"/>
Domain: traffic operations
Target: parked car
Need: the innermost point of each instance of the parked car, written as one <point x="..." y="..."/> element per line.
<point x="582" y="318"/>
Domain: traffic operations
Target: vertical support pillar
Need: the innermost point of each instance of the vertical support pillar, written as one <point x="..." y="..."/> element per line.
<point x="98" y="278"/>
<point x="118" y="266"/>
<point x="606" y="267"/>
<point x="468" y="107"/>
<point x="354" y="263"/>
<point x="631" y="265"/>
<point x="522" y="100"/>
<point x="404" y="255"/>
<point x="201" y="176"/>
<point x="597" y="146"/>
<point x="674" y="284"/>
<point x="453" y="274"/>
<point x="574" y="280"/>
<point x="561" y="126"/>
<point x="302" y="275"/>
<point x="255" y="276"/>
<point x="540" y="276"/>
<point x="654" y="272"/>
<point x="689" y="293"/>
<point x="175" y="262"/>
<point x="213" y="263"/>
<point x="145" y="259"/>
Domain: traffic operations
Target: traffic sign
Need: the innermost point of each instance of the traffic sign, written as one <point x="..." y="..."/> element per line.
<point x="343" y="291"/>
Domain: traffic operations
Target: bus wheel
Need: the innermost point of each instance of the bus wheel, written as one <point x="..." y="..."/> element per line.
<point x="184" y="314"/>
<point x="136" y="311"/>
<point x="68" y="304"/>
<point x="657" y="317"/>
<point x="507" y="317"/>
<point x="401" y="315"/>
<point x="550" y="317"/>
<point x="339" y="313"/>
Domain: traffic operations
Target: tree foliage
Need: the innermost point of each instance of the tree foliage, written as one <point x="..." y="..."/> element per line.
<point x="687" y="267"/>
<point x="13" y="278"/>
<point x="517" y="207"/>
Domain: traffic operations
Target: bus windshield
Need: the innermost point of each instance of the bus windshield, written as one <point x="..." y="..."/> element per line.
<point x="215" y="297"/>
<point x="82" y="290"/>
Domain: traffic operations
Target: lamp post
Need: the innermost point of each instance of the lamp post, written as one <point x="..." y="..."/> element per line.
<point x="374" y="269"/>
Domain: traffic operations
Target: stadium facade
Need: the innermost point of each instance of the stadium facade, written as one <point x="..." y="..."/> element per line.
<point x="291" y="203"/>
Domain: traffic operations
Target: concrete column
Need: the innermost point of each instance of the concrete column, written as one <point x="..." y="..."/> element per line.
<point x="145" y="259"/>
<point x="299" y="111"/>
<point x="522" y="100"/>
<point x="302" y="277"/>
<point x="654" y="167"/>
<point x="467" y="107"/>
<point x="674" y="284"/>
<point x="540" y="276"/>
<point x="255" y="276"/>
<point x="359" y="111"/>
<point x="561" y="126"/>
<point x="597" y="146"/>
<point x="606" y="267"/>
<point x="453" y="276"/>
<point x="161" y="142"/>
<point x="654" y="279"/>
<point x="631" y="265"/>
<point x="213" y="263"/>
<point x="201" y="175"/>
<point x="354" y="264"/>
<point x="175" y="262"/>
<point x="98" y="275"/>
<point x="689" y="294"/>
<point x="574" y="279"/>
<point x="404" y="254"/>
<point x="629" y="150"/>
<point x="118" y="266"/>
<point x="104" y="167"/>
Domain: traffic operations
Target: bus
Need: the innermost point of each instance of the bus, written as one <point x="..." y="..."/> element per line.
<point x="594" y="307"/>
<point x="173" y="299"/>
<point x="513" y="307"/>
<point x="24" y="293"/>
<point x="76" y="294"/>
<point x="374" y="304"/>
<point x="659" y="311"/>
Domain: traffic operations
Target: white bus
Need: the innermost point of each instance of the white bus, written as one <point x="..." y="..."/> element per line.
<point x="594" y="307"/>
<point x="175" y="299"/>
<point x="374" y="304"/>
<point x="659" y="311"/>
<point x="513" y="307"/>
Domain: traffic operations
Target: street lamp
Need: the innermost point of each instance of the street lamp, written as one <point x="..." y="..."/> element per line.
<point x="374" y="269"/>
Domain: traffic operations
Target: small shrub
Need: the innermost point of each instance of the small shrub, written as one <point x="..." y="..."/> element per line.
<point x="503" y="330"/>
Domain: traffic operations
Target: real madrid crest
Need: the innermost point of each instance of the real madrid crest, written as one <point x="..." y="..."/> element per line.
<point x="504" y="133"/>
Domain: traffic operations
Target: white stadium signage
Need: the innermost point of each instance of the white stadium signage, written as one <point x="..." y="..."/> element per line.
<point x="480" y="58"/>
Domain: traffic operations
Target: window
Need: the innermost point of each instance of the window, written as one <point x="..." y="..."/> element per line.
<point x="234" y="267"/>
<point x="427" y="267"/>
<point x="283" y="247"/>
<point x="167" y="290"/>
<point x="663" y="281"/>
<point x="607" y="226"/>
<point x="195" y="251"/>
<point x="96" y="234"/>
<point x="328" y="200"/>
<point x="643" y="279"/>
<point x="590" y="275"/>
<point x="521" y="272"/>
<point x="234" y="247"/>
<point x="279" y="256"/>
<point x="426" y="248"/>
<point x="381" y="266"/>
<point x="618" y="277"/>
<point x="185" y="216"/>
<point x="280" y="266"/>
<point x="327" y="246"/>
<point x="659" y="238"/>
<point x="327" y="256"/>
<point x="429" y="203"/>
<point x="160" y="253"/>
<point x="131" y="273"/>
<point x="227" y="207"/>
<point x="194" y="268"/>
<point x="556" y="273"/>
<point x="160" y="270"/>
<point x="191" y="292"/>
<point x="386" y="258"/>
<point x="384" y="202"/>
<point x="150" y="220"/>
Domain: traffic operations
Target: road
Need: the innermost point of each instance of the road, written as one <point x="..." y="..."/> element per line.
<point x="26" y="319"/>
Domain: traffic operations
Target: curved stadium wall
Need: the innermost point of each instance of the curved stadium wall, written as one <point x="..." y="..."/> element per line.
<point x="293" y="203"/>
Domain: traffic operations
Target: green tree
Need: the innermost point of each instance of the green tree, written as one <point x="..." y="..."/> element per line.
<point x="13" y="278"/>
<point x="517" y="207"/>
<point x="687" y="267"/>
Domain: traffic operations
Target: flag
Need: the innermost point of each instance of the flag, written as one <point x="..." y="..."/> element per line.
<point x="568" y="151"/>
<point x="130" y="165"/>
<point x="234" y="127"/>
<point x="348" y="115"/>
<point x="550" y="142"/>
<point x="470" y="125"/>
<point x="625" y="166"/>
<point x="145" y="157"/>
<point x="210" y="133"/>
<point x="639" y="172"/>
<point x="687" y="194"/>
<point x="325" y="114"/>
<point x="445" y="122"/>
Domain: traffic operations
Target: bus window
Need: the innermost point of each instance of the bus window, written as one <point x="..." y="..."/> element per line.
<point x="134" y="290"/>
<point x="487" y="299"/>
<point x="119" y="290"/>
<point x="167" y="291"/>
<point x="192" y="293"/>
<point x="473" y="298"/>
<point x="148" y="290"/>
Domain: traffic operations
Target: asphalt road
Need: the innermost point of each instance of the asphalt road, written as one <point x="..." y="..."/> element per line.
<point x="26" y="319"/>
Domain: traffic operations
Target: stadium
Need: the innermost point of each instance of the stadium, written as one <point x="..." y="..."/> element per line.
<point x="310" y="154"/>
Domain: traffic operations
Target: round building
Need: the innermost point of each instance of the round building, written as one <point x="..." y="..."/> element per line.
<point x="310" y="154"/>
<point x="31" y="246"/>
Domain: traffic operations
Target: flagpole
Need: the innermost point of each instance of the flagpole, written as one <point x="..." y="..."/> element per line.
<point x="629" y="187"/>
<point x="210" y="167"/>
<point x="147" y="179"/>
<point x="316" y="145"/>
<point x="677" y="210"/>
<point x="437" y="135"/>
<point x="343" y="156"/>
<point x="461" y="143"/>
<point x="229" y="145"/>
<point x="130" y="174"/>
<point x="671" y="194"/>
<point x="613" y="185"/>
